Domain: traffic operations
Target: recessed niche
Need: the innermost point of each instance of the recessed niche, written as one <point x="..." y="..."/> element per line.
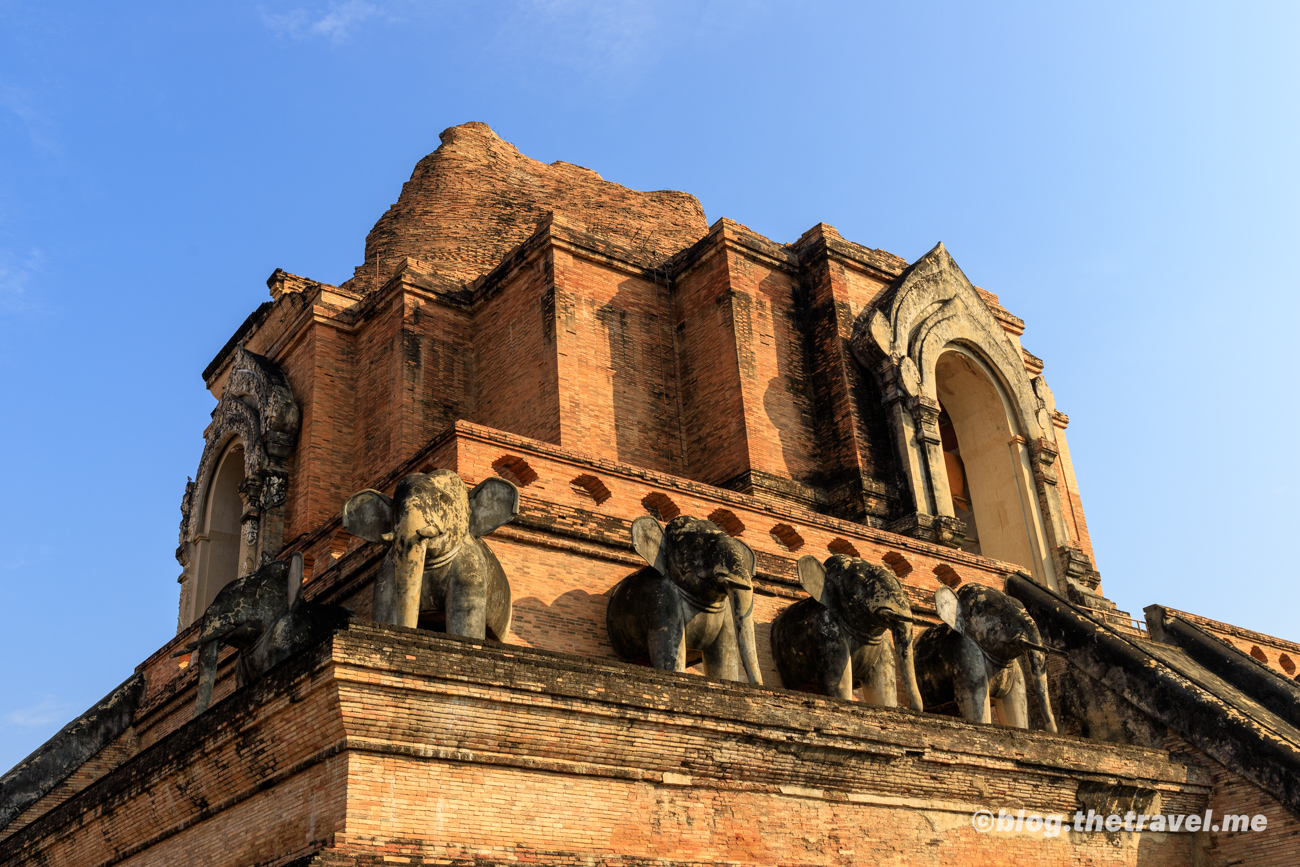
<point x="788" y="537"/>
<point x="727" y="520"/>
<point x="592" y="487"/>
<point x="900" y="564"/>
<point x="515" y="469"/>
<point x="842" y="546"/>
<point x="1288" y="665"/>
<point x="947" y="575"/>
<point x="1258" y="654"/>
<point x="660" y="506"/>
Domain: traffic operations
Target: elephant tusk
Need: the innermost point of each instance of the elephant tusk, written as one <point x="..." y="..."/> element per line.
<point x="1043" y="648"/>
<point x="894" y="615"/>
<point x="738" y="584"/>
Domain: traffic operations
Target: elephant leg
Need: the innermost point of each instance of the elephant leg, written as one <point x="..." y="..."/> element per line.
<point x="1012" y="703"/>
<point x="879" y="679"/>
<point x="667" y="646"/>
<point x="466" y="610"/>
<point x="971" y="683"/>
<point x="742" y="611"/>
<point x="835" y="673"/>
<point x="722" y="657"/>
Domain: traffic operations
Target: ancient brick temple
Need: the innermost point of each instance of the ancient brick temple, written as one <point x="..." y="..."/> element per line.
<point x="613" y="355"/>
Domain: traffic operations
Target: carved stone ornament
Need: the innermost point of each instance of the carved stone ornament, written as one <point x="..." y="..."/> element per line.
<point x="258" y="410"/>
<point x="933" y="309"/>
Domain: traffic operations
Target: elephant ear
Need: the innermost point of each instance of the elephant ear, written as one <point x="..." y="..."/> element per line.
<point x="369" y="514"/>
<point x="648" y="540"/>
<point x="493" y="502"/>
<point x="812" y="575"/>
<point x="296" y="572"/>
<point x="945" y="602"/>
<point x="747" y="557"/>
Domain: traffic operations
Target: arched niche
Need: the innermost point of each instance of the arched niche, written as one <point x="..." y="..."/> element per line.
<point x="937" y="350"/>
<point x="987" y="464"/>
<point x="247" y="446"/>
<point x="219" y="549"/>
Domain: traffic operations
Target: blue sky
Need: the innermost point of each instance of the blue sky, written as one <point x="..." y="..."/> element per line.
<point x="1123" y="176"/>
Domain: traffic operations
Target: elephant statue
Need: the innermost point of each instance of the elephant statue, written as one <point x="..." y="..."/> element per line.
<point x="840" y="638"/>
<point x="304" y="625"/>
<point x="438" y="567"/>
<point x="697" y="593"/>
<point x="972" y="658"/>
<point x="264" y="617"/>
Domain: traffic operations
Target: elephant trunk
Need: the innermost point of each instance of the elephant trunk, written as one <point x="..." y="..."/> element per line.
<point x="1038" y="671"/>
<point x="397" y="588"/>
<point x="742" y="604"/>
<point x="902" y="634"/>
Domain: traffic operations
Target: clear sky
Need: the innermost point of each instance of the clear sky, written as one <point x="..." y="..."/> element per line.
<point x="1122" y="175"/>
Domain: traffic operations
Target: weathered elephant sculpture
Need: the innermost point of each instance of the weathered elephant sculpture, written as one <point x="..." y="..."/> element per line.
<point x="263" y="616"/>
<point x="972" y="657"/>
<point x="304" y="625"/>
<point x="697" y="593"/>
<point x="840" y="638"/>
<point x="436" y="563"/>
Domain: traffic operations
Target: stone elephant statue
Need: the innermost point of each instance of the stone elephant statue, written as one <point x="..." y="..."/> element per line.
<point x="304" y="625"/>
<point x="697" y="593"/>
<point x="841" y="637"/>
<point x="265" y="618"/>
<point x="972" y="658"/>
<point x="437" y="564"/>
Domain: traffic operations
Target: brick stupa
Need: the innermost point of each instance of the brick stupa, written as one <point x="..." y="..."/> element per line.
<point x="613" y="355"/>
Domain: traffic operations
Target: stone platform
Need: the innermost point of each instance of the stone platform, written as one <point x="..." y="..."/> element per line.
<point x="387" y="745"/>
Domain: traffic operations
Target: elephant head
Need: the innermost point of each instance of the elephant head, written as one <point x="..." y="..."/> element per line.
<point x="696" y="594"/>
<point x="837" y="639"/>
<point x="436" y="561"/>
<point x="994" y="631"/>
<point x="239" y="616"/>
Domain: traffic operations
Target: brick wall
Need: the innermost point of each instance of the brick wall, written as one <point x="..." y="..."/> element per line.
<point x="323" y="373"/>
<point x="516" y="373"/>
<point x="1277" y="846"/>
<point x="772" y="359"/>
<point x="1071" y="501"/>
<point x="618" y="386"/>
<point x="394" y="744"/>
<point x="859" y="467"/>
<point x="708" y="371"/>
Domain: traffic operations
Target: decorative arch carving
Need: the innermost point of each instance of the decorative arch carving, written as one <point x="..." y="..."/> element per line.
<point x="933" y="309"/>
<point x="258" y="410"/>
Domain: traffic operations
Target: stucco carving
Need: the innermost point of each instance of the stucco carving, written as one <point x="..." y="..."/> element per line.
<point x="257" y="409"/>
<point x="933" y="309"/>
